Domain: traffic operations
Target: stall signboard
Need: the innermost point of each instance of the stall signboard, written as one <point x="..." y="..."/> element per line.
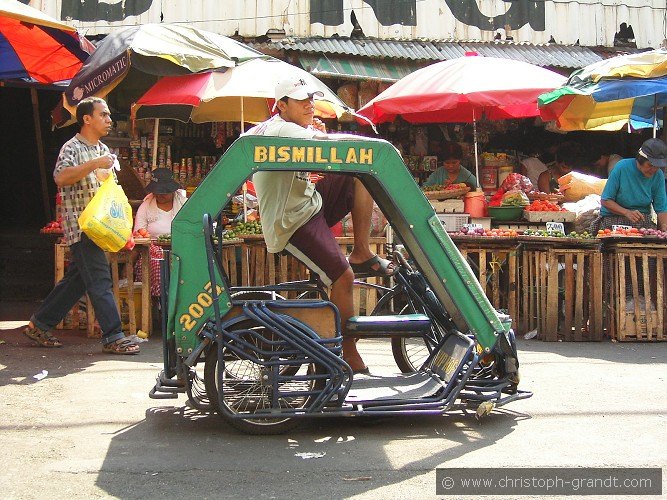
<point x="532" y="21"/>
<point x="555" y="227"/>
<point x="620" y="227"/>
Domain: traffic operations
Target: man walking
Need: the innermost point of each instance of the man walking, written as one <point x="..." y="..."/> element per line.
<point x="82" y="164"/>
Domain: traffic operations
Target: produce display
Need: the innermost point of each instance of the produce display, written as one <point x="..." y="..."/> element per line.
<point x="544" y="206"/>
<point x="141" y="233"/>
<point x="52" y="227"/>
<point x="444" y="187"/>
<point x="491" y="233"/>
<point x="541" y="195"/>
<point x="515" y="182"/>
<point x="585" y="235"/>
<point x="242" y="229"/>
<point x="632" y="232"/>
<point x="164" y="238"/>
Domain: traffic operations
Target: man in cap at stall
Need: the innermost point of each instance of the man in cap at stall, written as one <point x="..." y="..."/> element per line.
<point x="297" y="214"/>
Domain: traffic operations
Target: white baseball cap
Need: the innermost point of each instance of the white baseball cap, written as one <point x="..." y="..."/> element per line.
<point x="295" y="88"/>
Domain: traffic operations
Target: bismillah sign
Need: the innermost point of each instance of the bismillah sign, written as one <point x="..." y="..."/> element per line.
<point x="589" y="22"/>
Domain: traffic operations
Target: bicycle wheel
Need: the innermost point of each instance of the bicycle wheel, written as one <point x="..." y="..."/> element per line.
<point x="245" y="390"/>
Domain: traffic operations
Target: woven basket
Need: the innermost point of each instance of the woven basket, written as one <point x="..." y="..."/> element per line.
<point x="446" y="194"/>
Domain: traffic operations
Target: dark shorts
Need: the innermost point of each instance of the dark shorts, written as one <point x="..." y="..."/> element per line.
<point x="313" y="243"/>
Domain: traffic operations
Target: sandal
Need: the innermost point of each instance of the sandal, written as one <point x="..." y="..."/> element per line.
<point x="121" y="346"/>
<point x="43" y="338"/>
<point x="385" y="268"/>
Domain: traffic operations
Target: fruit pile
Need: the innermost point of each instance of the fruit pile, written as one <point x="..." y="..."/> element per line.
<point x="52" y="227"/>
<point x="444" y="187"/>
<point x="242" y="229"/>
<point x="544" y="206"/>
<point x="164" y="238"/>
<point x="584" y="235"/>
<point x="633" y="232"/>
<point x="141" y="233"/>
<point x="492" y="233"/>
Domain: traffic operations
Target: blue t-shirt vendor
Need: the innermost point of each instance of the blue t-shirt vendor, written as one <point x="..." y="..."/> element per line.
<point x="634" y="185"/>
<point x="451" y="171"/>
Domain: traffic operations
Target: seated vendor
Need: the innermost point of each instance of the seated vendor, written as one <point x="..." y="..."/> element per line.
<point x="569" y="155"/>
<point x="451" y="171"/>
<point x="156" y="213"/>
<point x="634" y="185"/>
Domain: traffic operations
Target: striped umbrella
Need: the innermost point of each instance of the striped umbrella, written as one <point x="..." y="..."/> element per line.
<point x="622" y="91"/>
<point x="36" y="47"/>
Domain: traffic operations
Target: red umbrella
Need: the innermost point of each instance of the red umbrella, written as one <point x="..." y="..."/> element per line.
<point x="464" y="90"/>
<point x="37" y="47"/>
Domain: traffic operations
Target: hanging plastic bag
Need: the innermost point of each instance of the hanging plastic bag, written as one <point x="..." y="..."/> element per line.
<point x="107" y="220"/>
<point x="576" y="186"/>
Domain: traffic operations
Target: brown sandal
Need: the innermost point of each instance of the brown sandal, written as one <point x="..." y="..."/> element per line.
<point x="43" y="338"/>
<point x="121" y="346"/>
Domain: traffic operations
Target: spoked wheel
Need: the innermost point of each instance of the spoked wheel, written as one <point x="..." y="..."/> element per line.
<point x="247" y="389"/>
<point x="196" y="390"/>
<point x="410" y="353"/>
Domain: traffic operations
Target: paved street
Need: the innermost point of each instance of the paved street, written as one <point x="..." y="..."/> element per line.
<point x="89" y="430"/>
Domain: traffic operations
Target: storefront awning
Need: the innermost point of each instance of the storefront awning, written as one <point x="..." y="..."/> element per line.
<point x="356" y="68"/>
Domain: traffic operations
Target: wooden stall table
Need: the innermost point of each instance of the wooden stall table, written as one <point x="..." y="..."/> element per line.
<point x="635" y="295"/>
<point x="494" y="261"/>
<point x="561" y="288"/>
<point x="115" y="260"/>
<point x="259" y="267"/>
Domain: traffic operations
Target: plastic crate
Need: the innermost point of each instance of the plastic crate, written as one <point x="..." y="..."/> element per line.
<point x="453" y="222"/>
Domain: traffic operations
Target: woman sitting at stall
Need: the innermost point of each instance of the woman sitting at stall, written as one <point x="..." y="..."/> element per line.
<point x="451" y="171"/>
<point x="156" y="213"/>
<point x="634" y="186"/>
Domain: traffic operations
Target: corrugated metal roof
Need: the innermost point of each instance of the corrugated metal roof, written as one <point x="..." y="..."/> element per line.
<point x="547" y="55"/>
<point x="357" y="68"/>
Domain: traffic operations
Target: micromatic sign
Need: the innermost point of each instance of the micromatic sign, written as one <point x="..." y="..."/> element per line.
<point x="313" y="154"/>
<point x="86" y="85"/>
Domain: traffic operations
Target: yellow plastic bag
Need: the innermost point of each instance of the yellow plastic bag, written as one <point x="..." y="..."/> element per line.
<point x="107" y="220"/>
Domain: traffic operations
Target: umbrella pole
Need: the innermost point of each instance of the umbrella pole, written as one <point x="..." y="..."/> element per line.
<point x="155" y="139"/>
<point x="474" y="134"/>
<point x="242" y="117"/>
<point x="655" y="116"/>
<point x="40" y="152"/>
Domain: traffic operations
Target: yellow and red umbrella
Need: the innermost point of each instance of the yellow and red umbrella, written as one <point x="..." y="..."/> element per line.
<point x="243" y="93"/>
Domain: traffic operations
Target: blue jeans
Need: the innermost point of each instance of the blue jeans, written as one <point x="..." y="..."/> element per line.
<point x="88" y="272"/>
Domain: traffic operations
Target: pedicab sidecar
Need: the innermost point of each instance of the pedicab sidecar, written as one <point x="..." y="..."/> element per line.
<point x="269" y="361"/>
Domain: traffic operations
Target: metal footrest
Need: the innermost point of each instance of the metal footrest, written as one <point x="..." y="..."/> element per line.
<point x="166" y="388"/>
<point x="404" y="325"/>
